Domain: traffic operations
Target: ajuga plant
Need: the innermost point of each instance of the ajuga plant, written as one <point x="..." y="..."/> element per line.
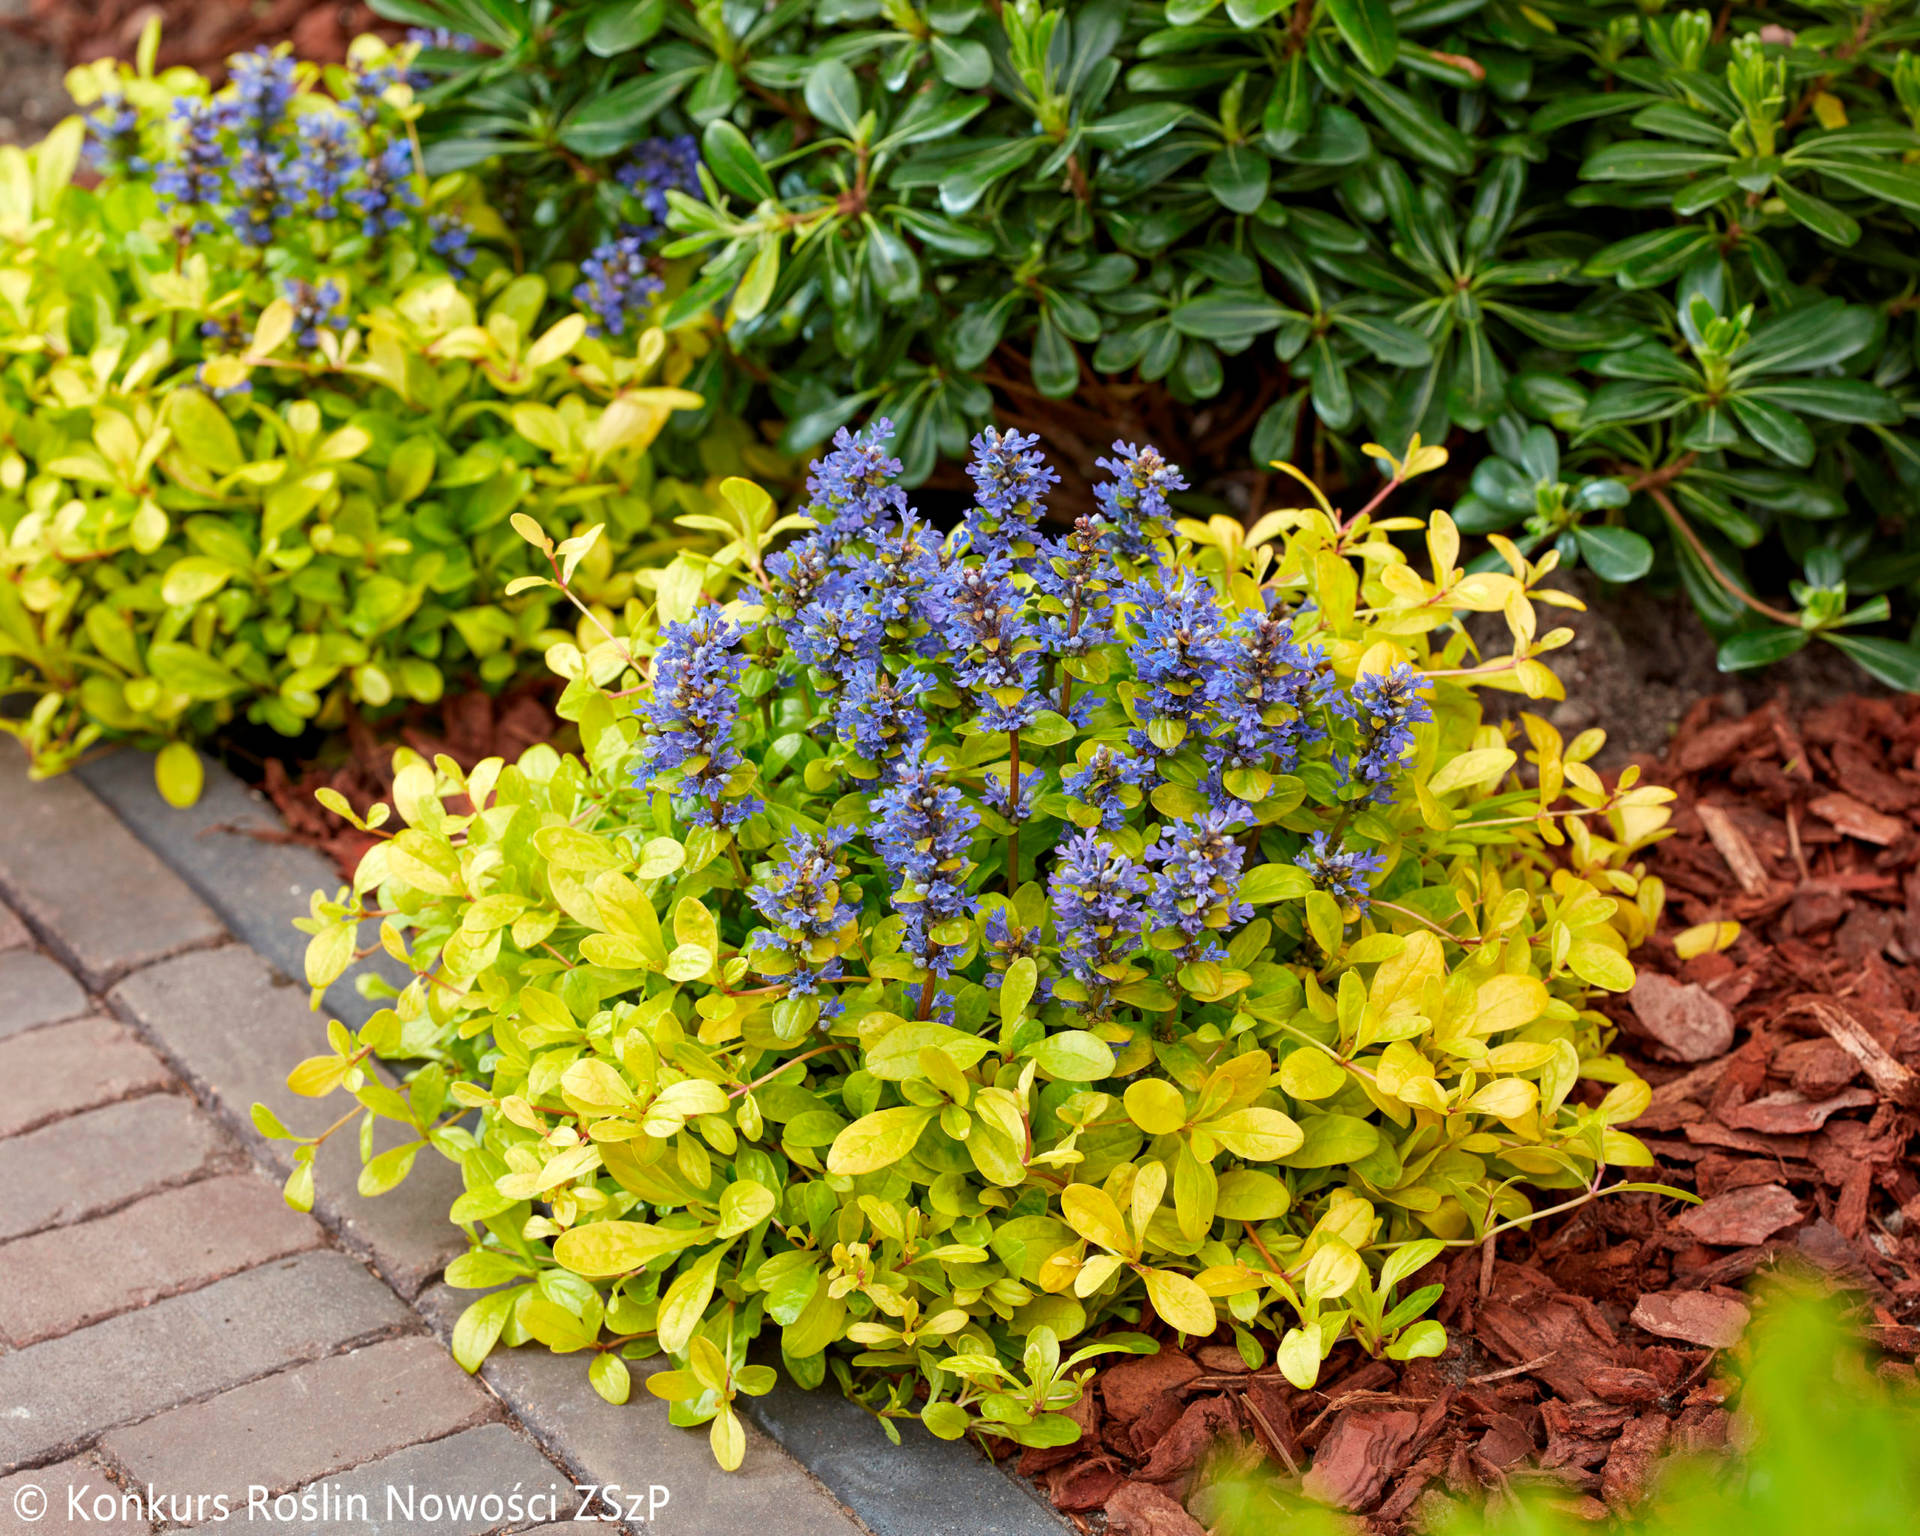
<point x="953" y="949"/>
<point x="267" y="397"/>
<point x="1618" y="220"/>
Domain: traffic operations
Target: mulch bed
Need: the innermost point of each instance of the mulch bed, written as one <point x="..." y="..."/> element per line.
<point x="1588" y="1349"/>
<point x="465" y="727"/>
<point x="198" y="33"/>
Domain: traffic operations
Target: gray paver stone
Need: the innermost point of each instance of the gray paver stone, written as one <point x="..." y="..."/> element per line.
<point x="68" y="1389"/>
<point x="408" y="1493"/>
<point x="34" y="990"/>
<point x="13" y="932"/>
<point x="634" y="1447"/>
<point x="99" y="895"/>
<point x="288" y="1429"/>
<point x="257" y="885"/>
<point x="63" y="1279"/>
<point x="86" y="1164"/>
<point x="922" y="1487"/>
<point x="103" y="1507"/>
<point x="65" y="1068"/>
<point x="235" y="1027"/>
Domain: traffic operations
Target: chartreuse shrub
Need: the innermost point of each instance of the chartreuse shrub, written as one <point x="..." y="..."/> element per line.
<point x="267" y="400"/>
<point x="1679" y="239"/>
<point x="952" y="948"/>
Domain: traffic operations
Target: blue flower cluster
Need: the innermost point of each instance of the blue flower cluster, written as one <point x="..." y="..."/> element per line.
<point x="1345" y="874"/>
<point x="617" y="278"/>
<point x="1387" y="705"/>
<point x="260" y="153"/>
<point x="1193" y="890"/>
<point x="907" y="639"/>
<point x="696" y="699"/>
<point x="803" y="901"/>
<point x="922" y="831"/>
<point x="1098" y="912"/>
<point x="314" y="306"/>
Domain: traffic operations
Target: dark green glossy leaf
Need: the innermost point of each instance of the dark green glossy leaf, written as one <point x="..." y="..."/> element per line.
<point x="733" y="163"/>
<point x="1886" y="661"/>
<point x="1614" y="554"/>
<point x="1367" y="26"/>
<point x="1759" y="648"/>
<point x="607" y="124"/>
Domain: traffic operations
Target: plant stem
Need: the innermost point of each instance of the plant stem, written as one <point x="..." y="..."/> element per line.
<point x="1013" y="812"/>
<point x="1733" y="588"/>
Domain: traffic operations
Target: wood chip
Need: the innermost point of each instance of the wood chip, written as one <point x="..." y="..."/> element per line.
<point x="1848" y="815"/>
<point x="1741" y="1217"/>
<point x="1886" y="1074"/>
<point x="1696" y="1317"/>
<point x="1686" y="1020"/>
<point x="1734" y="848"/>
<point x="1792" y="1113"/>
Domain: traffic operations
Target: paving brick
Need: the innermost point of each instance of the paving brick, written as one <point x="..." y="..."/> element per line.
<point x="409" y="1492"/>
<point x="289" y="1429"/>
<point x="635" y="1447"/>
<point x="256" y="884"/>
<point x="105" y="1508"/>
<point x="65" y="1068"/>
<point x="13" y="932"/>
<point x="66" y="1278"/>
<point x="921" y="1485"/>
<point x="69" y="1389"/>
<point x="34" y="990"/>
<point x="235" y="1027"/>
<point x="90" y="1163"/>
<point x="99" y="895"/>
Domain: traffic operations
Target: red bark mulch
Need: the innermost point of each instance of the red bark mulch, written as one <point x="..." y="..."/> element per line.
<point x="199" y="33"/>
<point x="1586" y="1350"/>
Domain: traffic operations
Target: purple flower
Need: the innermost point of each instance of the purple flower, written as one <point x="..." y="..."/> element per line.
<point x="995" y="656"/>
<point x="388" y="190"/>
<point x="1387" y="706"/>
<point x="1344" y="873"/>
<point x="262" y="182"/>
<point x="1006" y="942"/>
<point x="190" y="180"/>
<point x="314" y="307"/>
<point x="696" y="698"/>
<point x="850" y="489"/>
<point x="1134" y="503"/>
<point x="451" y="240"/>
<point x="323" y="166"/>
<point x="1076" y="576"/>
<point x="922" y="832"/>
<point x="1179" y="645"/>
<point x="1266" y="698"/>
<point x="880" y="716"/>
<point x="619" y="284"/>
<point x="1011" y="480"/>
<point x="803" y="901"/>
<point x="660" y="166"/>
<point x="113" y="137"/>
<point x="1102" y="781"/>
<point x="1098" y="913"/>
<point x="262" y="90"/>
<point x="1193" y="889"/>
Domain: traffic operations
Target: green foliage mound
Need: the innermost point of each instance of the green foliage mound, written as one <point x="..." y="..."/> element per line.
<point x="974" y="944"/>
<point x="265" y="411"/>
<point x="1680" y="240"/>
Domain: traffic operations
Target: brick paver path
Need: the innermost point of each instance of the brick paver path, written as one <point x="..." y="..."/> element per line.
<point x="178" y="1350"/>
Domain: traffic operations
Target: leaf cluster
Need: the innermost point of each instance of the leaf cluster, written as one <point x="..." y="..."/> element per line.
<point x="930" y="1156"/>
<point x="223" y="495"/>
<point x="1320" y="215"/>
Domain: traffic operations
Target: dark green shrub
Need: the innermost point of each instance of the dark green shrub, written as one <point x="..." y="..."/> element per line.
<point x="265" y="412"/>
<point x="1305" y="218"/>
<point x="995" y="937"/>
